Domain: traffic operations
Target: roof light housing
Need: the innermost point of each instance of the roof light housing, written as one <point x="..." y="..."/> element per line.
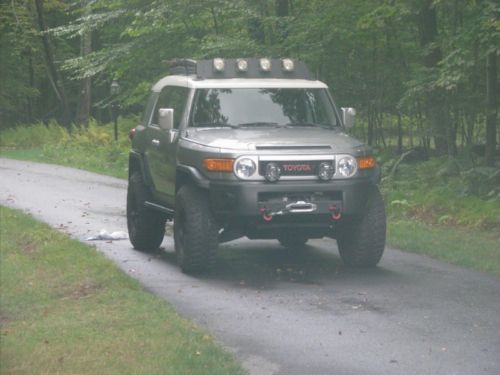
<point x="218" y="65"/>
<point x="288" y="65"/>
<point x="265" y="64"/>
<point x="242" y="65"/>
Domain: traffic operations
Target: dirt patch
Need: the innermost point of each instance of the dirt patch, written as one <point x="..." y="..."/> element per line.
<point x="28" y="245"/>
<point x="83" y="290"/>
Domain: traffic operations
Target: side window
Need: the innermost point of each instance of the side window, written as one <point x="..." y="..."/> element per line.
<point x="146" y="116"/>
<point x="174" y="97"/>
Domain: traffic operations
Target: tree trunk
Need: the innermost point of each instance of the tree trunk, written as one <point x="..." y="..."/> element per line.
<point x="437" y="108"/>
<point x="491" y="108"/>
<point x="51" y="67"/>
<point x="83" y="115"/>
<point x="400" y="134"/>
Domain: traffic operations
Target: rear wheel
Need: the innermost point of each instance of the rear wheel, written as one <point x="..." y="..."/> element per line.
<point x="195" y="230"/>
<point x="361" y="241"/>
<point x="146" y="228"/>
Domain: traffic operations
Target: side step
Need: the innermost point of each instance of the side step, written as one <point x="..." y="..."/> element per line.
<point x="169" y="212"/>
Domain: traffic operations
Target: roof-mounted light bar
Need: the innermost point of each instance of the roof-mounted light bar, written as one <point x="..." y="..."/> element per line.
<point x="241" y="68"/>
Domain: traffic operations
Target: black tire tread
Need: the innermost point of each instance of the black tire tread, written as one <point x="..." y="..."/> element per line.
<point x="197" y="253"/>
<point x="361" y="241"/>
<point x="146" y="234"/>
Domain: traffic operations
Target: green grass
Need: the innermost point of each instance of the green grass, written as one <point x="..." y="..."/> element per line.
<point x="65" y="308"/>
<point x="475" y="249"/>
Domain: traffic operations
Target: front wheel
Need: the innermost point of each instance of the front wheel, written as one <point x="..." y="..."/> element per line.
<point x="195" y="230"/>
<point x="146" y="228"/>
<point x="361" y="241"/>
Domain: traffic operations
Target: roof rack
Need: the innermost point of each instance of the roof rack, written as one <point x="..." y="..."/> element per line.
<point x="182" y="67"/>
<point x="240" y="68"/>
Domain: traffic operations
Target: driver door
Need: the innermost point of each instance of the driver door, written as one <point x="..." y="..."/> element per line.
<point x="162" y="143"/>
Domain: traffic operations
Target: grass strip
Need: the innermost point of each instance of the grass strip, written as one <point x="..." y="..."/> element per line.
<point x="65" y="308"/>
<point x="469" y="248"/>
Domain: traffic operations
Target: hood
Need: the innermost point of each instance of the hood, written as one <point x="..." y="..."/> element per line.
<point x="274" y="138"/>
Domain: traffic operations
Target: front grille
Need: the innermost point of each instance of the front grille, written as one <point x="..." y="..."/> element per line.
<point x="294" y="167"/>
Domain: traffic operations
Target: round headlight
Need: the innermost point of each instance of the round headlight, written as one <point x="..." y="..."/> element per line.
<point x="347" y="166"/>
<point x="245" y="168"/>
<point x="325" y="171"/>
<point x="273" y="172"/>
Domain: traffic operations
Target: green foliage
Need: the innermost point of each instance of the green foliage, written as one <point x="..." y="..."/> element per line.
<point x="36" y="135"/>
<point x="440" y="191"/>
<point x="92" y="148"/>
<point x="370" y="52"/>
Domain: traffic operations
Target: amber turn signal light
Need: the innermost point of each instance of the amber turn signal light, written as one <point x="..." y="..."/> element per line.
<point x="218" y="165"/>
<point x="366" y="162"/>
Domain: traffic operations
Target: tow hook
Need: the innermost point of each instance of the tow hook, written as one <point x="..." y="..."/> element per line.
<point x="336" y="214"/>
<point x="265" y="214"/>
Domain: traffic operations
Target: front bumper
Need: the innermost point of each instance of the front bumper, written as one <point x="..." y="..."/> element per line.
<point x="230" y="199"/>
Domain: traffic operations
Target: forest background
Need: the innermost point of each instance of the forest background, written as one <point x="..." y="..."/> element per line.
<point x="420" y="72"/>
<point x="422" y="75"/>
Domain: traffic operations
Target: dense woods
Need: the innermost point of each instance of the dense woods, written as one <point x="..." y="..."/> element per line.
<point x="421" y="73"/>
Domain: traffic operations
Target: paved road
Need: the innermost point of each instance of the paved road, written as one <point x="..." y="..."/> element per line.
<point x="282" y="313"/>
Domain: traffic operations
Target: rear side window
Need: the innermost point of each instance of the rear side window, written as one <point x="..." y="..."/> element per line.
<point x="174" y="97"/>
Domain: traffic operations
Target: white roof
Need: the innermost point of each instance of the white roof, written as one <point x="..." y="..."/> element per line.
<point x="236" y="83"/>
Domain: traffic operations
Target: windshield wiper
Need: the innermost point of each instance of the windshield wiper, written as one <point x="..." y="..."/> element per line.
<point x="214" y="125"/>
<point x="307" y="125"/>
<point x="257" y="123"/>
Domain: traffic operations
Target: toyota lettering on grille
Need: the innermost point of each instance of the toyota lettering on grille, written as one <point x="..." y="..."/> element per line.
<point x="297" y="167"/>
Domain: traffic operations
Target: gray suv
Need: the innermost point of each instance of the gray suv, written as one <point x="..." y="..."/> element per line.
<point x="250" y="147"/>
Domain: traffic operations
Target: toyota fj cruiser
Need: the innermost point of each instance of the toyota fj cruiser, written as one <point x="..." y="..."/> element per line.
<point x="250" y="147"/>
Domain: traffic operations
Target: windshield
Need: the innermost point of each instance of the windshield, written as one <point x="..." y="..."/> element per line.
<point x="290" y="107"/>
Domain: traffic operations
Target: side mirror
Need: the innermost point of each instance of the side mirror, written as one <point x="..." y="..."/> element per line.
<point x="348" y="116"/>
<point x="166" y="118"/>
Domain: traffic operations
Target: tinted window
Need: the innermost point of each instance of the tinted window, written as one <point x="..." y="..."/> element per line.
<point x="280" y="107"/>
<point x="174" y="97"/>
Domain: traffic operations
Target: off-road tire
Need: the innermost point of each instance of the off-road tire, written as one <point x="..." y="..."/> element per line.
<point x="195" y="230"/>
<point x="146" y="228"/>
<point x="361" y="241"/>
<point x="293" y="241"/>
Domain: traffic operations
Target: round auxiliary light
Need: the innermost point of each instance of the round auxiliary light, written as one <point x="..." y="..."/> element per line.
<point x="218" y="65"/>
<point x="273" y="172"/>
<point x="347" y="166"/>
<point x="265" y="65"/>
<point x="244" y="168"/>
<point x="242" y="65"/>
<point x="287" y="65"/>
<point x="325" y="171"/>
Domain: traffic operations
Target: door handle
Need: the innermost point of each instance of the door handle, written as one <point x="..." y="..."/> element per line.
<point x="155" y="142"/>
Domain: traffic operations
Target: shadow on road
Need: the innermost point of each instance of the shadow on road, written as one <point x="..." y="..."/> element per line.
<point x="264" y="264"/>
